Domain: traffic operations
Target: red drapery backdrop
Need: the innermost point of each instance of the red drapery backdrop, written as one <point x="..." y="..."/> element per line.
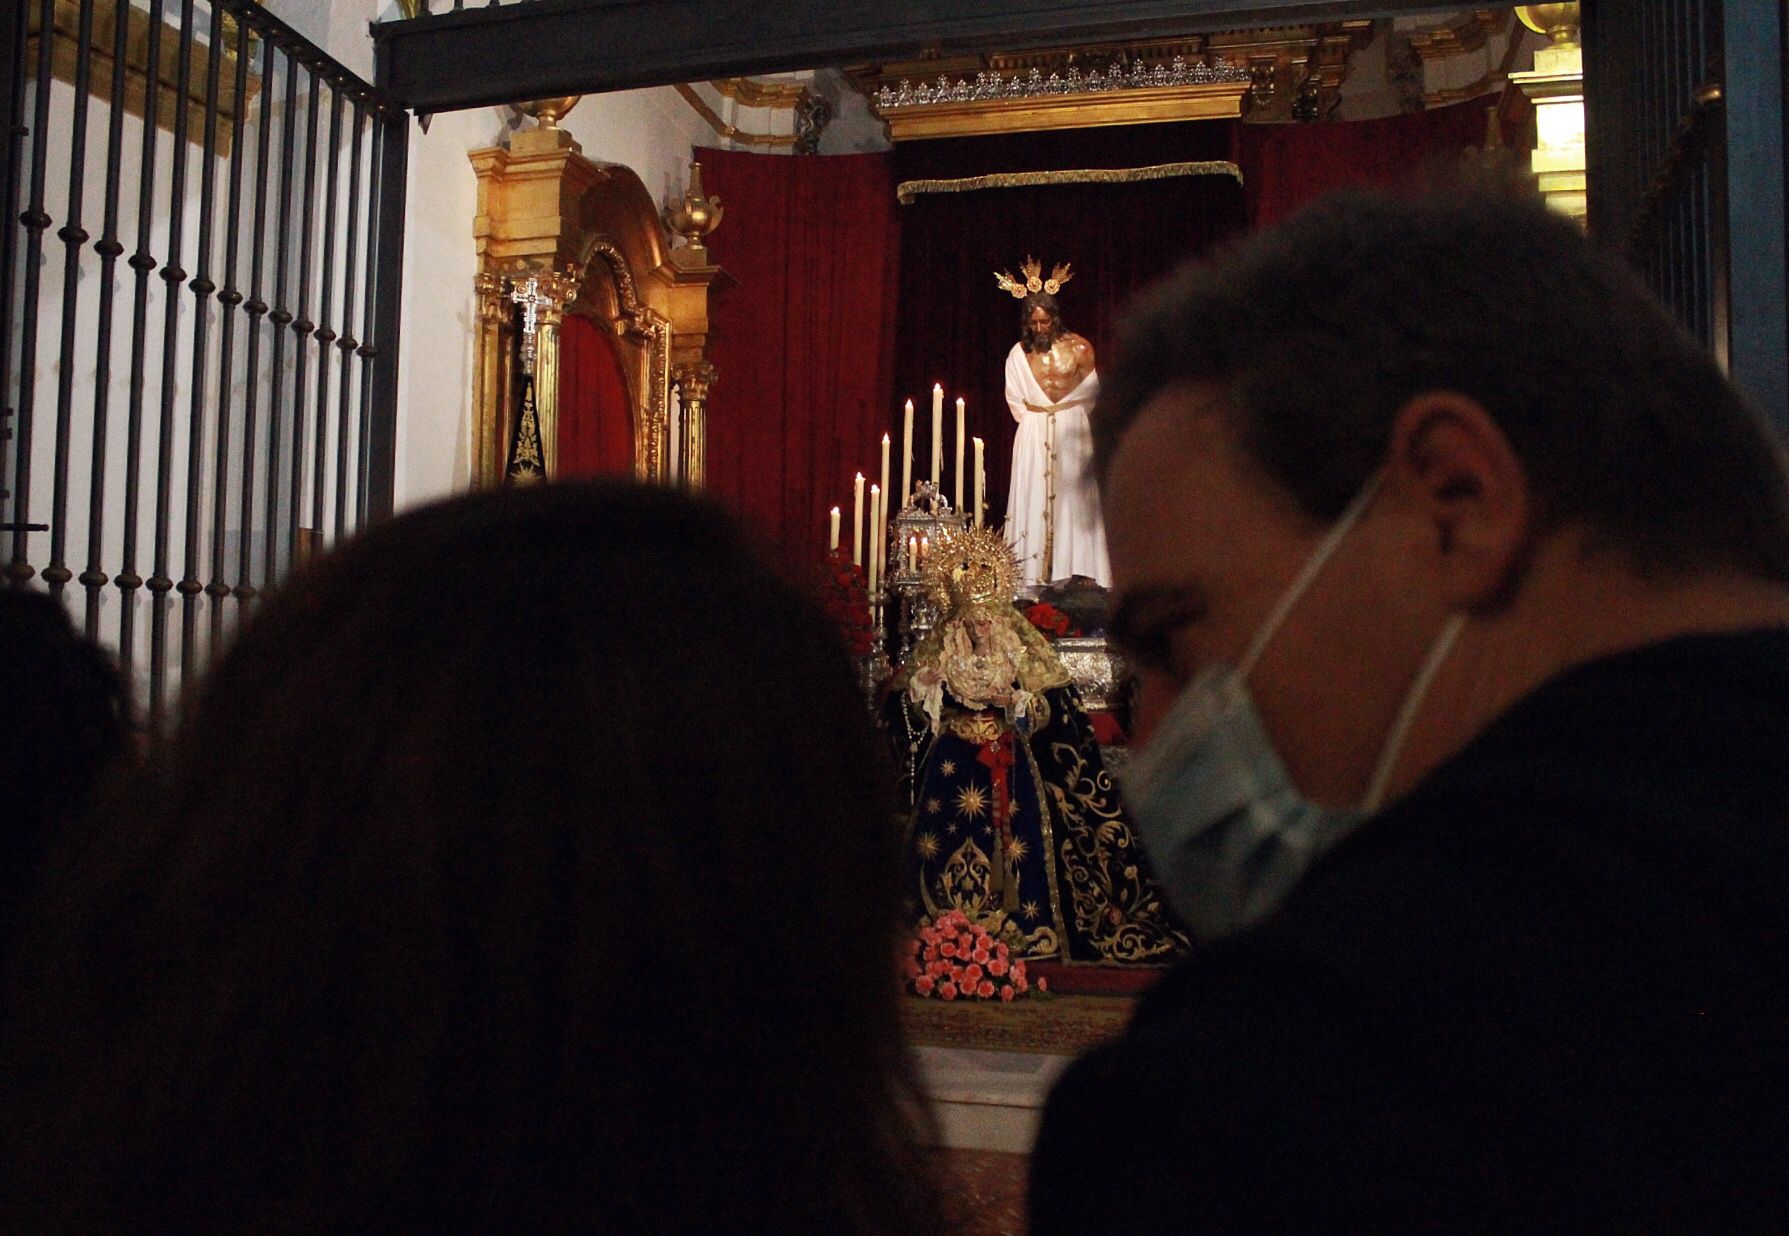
<point x="956" y="327"/>
<point x="596" y="436"/>
<point x="848" y="303"/>
<point x="1287" y="165"/>
<point x="804" y="342"/>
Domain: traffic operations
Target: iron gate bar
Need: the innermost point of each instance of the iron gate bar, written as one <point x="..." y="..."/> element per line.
<point x="201" y="287"/>
<point x="324" y="332"/>
<point x="302" y="325"/>
<point x="94" y="578"/>
<point x="391" y="150"/>
<point x="256" y="309"/>
<point x="279" y="318"/>
<point x="172" y="274"/>
<point x="347" y="343"/>
<point x="229" y="297"/>
<point x="35" y="220"/>
<point x="73" y="237"/>
<point x="142" y="261"/>
<point x="13" y="20"/>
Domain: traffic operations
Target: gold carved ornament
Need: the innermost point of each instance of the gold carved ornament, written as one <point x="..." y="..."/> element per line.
<point x="1034" y="282"/>
<point x="909" y="190"/>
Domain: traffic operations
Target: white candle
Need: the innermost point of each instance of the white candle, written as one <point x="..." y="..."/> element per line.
<point x="857" y="520"/>
<point x="835" y="530"/>
<point x="875" y="522"/>
<point x="937" y="435"/>
<point x="980" y="479"/>
<point x="885" y="489"/>
<point x="907" y="454"/>
<point x="959" y="491"/>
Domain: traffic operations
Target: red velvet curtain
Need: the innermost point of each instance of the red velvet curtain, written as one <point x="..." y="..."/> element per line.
<point x="956" y="326"/>
<point x="804" y="342"/>
<point x="1287" y="165"/>
<point x="596" y="436"/>
<point x="848" y="303"/>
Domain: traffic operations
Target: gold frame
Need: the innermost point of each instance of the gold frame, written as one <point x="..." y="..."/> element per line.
<point x="591" y="235"/>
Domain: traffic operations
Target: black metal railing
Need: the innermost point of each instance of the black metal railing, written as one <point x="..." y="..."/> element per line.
<point x="233" y="433"/>
<point x="1657" y="149"/>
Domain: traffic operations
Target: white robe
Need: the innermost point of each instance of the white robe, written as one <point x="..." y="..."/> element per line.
<point x="1079" y="544"/>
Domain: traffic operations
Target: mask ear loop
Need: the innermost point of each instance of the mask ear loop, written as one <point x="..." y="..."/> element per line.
<point x="1308" y="574"/>
<point x="1400" y="728"/>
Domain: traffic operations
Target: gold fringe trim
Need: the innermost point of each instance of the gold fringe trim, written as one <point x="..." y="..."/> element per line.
<point x="908" y="190"/>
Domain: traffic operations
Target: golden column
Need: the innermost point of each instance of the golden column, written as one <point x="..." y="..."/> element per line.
<point x="693" y="380"/>
<point x="1556" y="87"/>
<point x="693" y="218"/>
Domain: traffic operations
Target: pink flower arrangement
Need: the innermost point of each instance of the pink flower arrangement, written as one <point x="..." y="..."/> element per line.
<point x="953" y="958"/>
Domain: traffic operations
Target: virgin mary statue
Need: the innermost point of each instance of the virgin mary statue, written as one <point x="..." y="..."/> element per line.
<point x="1052" y="511"/>
<point x="1015" y="822"/>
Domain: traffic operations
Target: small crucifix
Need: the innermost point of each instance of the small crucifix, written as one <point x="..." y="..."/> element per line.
<point x="528" y="296"/>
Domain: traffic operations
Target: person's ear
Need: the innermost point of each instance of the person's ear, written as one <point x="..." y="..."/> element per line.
<point x="1451" y="462"/>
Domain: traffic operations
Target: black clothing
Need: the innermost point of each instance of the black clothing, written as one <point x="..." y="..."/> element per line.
<point x="1547" y="991"/>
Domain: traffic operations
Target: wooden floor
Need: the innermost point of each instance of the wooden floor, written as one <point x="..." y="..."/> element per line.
<point x="1061" y="1025"/>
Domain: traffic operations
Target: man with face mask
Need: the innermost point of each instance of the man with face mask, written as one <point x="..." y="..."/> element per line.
<point x="1457" y="578"/>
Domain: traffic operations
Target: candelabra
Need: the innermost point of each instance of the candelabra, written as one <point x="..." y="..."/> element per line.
<point x="921" y="524"/>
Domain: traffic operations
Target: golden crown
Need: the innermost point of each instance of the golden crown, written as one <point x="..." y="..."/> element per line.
<point x="970" y="567"/>
<point x="1034" y="281"/>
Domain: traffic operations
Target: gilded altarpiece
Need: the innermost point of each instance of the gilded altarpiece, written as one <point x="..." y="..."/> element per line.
<point x="591" y="237"/>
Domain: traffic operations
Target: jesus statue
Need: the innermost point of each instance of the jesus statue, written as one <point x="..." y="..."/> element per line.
<point x="1052" y="510"/>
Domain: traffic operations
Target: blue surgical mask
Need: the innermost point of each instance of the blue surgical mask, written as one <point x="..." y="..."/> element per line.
<point x="1217" y="811"/>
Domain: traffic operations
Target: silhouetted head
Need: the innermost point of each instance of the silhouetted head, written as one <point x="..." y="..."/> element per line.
<point x="527" y="864"/>
<point x="64" y="725"/>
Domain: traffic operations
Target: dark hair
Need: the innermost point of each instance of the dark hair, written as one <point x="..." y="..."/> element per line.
<point x="1319" y="330"/>
<point x="1038" y="300"/>
<point x="64" y="727"/>
<point x="529" y="863"/>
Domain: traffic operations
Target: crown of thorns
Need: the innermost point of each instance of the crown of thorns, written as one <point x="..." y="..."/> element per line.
<point x="1034" y="281"/>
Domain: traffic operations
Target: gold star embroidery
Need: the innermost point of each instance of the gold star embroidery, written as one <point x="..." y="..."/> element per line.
<point x="972" y="804"/>
<point x="951" y="828"/>
<point x="948" y="768"/>
<point x="1016" y="850"/>
<point x="927" y="845"/>
<point x="1030" y="911"/>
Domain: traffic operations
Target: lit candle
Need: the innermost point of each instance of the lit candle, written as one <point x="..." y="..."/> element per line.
<point x="875" y="522"/>
<point x="885" y="490"/>
<point x="835" y="530"/>
<point x="959" y="490"/>
<point x="857" y="520"/>
<point x="913" y="553"/>
<point x="925" y="545"/>
<point x="937" y="434"/>
<point x="907" y="454"/>
<point x="981" y="476"/>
